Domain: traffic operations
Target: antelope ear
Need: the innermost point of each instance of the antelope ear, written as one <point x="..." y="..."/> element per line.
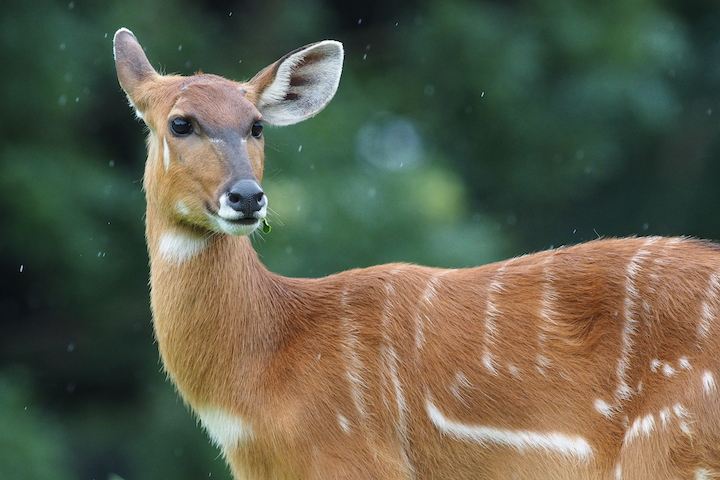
<point x="132" y="66"/>
<point x="300" y="84"/>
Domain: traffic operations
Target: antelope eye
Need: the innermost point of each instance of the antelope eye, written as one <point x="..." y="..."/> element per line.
<point x="257" y="129"/>
<point x="181" y="127"/>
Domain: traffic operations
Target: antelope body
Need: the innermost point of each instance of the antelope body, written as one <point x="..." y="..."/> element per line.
<point x="599" y="361"/>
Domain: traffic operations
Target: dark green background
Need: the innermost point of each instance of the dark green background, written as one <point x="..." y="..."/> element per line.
<point x="462" y="133"/>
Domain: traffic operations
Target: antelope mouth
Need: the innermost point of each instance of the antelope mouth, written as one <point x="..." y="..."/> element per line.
<point x="234" y="225"/>
<point x="242" y="221"/>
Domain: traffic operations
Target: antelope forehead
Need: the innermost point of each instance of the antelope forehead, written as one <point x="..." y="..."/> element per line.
<point x="218" y="105"/>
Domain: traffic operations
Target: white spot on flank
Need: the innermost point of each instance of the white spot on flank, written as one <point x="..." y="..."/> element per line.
<point x="177" y="247"/>
<point x="605" y="409"/>
<point x="668" y="371"/>
<point x="655" y="364"/>
<point x="683" y="414"/>
<point x="680" y="411"/>
<point x="489" y="362"/>
<point x="708" y="382"/>
<point x="665" y="417"/>
<point x="704" y="474"/>
<point x="684" y="363"/>
<point x="642" y="426"/>
<point x="166" y="154"/>
<point x="225" y="430"/>
<point x="618" y="472"/>
<point x="542" y="363"/>
<point x="514" y="371"/>
<point x="521" y="440"/>
<point x="344" y="423"/>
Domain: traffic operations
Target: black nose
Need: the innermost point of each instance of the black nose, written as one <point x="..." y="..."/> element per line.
<point x="246" y="197"/>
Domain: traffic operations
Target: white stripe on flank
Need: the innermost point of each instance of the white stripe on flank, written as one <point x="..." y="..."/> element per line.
<point x="489" y="361"/>
<point x="550" y="442"/>
<point x="492" y="312"/>
<point x="428" y="298"/>
<point x="548" y="298"/>
<point x="461" y="383"/>
<point x="632" y="298"/>
<point x="708" y="382"/>
<point x="390" y="358"/>
<point x="177" y="247"/>
<point x="708" y="308"/>
<point x="354" y="365"/>
<point x="344" y="424"/>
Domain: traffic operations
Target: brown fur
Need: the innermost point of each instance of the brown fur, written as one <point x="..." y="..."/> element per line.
<point x="334" y="375"/>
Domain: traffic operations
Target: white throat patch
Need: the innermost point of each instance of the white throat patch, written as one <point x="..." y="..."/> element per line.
<point x="177" y="247"/>
<point x="225" y="430"/>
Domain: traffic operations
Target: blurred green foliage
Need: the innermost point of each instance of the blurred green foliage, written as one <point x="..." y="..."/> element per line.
<point x="463" y="132"/>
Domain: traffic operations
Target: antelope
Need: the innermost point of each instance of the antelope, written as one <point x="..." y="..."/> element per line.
<point x="597" y="361"/>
